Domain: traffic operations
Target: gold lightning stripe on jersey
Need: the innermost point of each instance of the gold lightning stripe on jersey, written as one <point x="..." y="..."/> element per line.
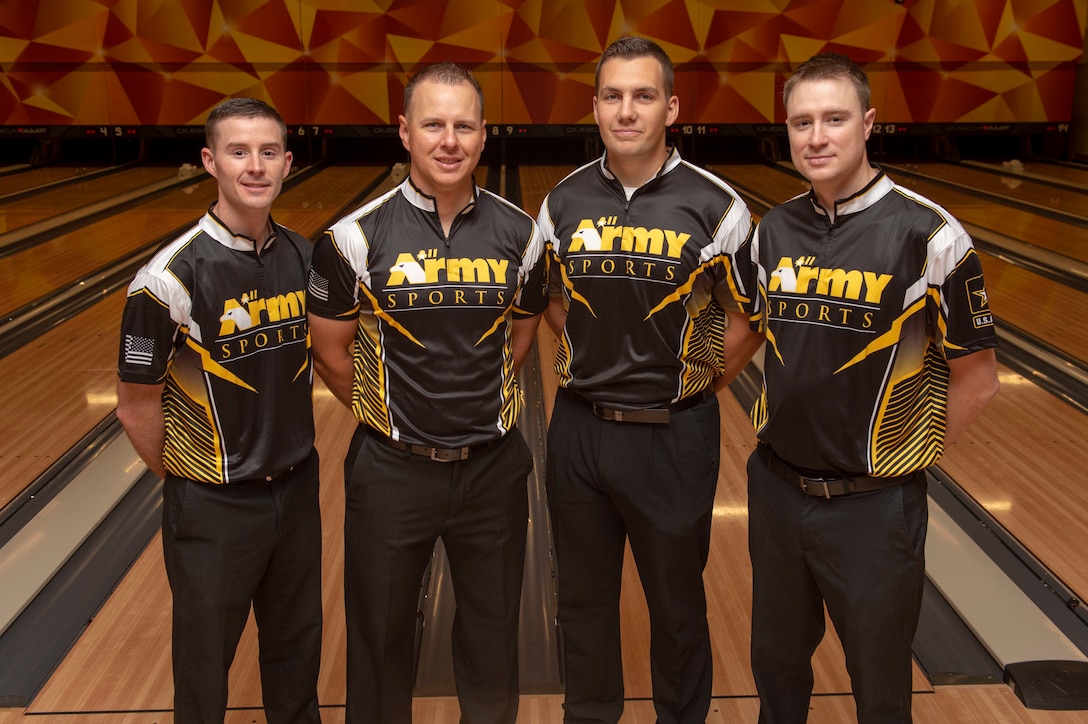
<point x="758" y="413"/>
<point x="144" y="291"/>
<point x="678" y="292"/>
<point x="563" y="360"/>
<point x="305" y="366"/>
<point x="214" y="368"/>
<point x="764" y="327"/>
<point x="575" y="296"/>
<point x="495" y="326"/>
<point x="889" y="338"/>
<point x="384" y="316"/>
<point x="702" y="350"/>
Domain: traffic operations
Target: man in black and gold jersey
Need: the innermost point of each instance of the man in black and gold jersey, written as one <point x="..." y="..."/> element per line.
<point x="652" y="285"/>
<point x="423" y="304"/>
<point x="880" y="352"/>
<point x="214" y="392"/>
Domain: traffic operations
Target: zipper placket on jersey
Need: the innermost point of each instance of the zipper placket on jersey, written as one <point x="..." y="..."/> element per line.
<point x="436" y="222"/>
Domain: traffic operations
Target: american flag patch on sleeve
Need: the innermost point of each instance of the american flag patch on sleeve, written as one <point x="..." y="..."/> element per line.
<point x="139" y="350"/>
<point x="319" y="286"/>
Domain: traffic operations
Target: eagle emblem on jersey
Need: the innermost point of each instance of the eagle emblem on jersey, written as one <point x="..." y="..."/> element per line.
<point x="588" y="237"/>
<point x="237" y="314"/>
<point x="786" y="277"/>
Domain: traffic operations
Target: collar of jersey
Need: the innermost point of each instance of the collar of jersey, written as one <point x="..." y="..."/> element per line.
<point x="214" y="227"/>
<point x="874" y="191"/>
<point x="671" y="162"/>
<point x="428" y="203"/>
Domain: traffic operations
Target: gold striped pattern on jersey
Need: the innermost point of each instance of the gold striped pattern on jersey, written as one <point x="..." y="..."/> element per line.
<point x="370" y="394"/>
<point x="909" y="430"/>
<point x="511" y="395"/>
<point x="701" y="350"/>
<point x="758" y="413"/>
<point x="192" y="438"/>
<point x="563" y="360"/>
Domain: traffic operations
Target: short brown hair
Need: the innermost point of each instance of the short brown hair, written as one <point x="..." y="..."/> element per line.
<point x="445" y="73"/>
<point x="830" y="65"/>
<point x="630" y="47"/>
<point x="240" y="108"/>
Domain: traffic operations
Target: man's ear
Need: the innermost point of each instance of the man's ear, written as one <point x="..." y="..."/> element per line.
<point x="867" y="120"/>
<point x="208" y="159"/>
<point x="673" y="111"/>
<point x="403" y="132"/>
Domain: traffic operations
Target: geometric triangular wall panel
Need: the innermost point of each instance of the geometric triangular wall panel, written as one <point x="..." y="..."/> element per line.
<point x="325" y="62"/>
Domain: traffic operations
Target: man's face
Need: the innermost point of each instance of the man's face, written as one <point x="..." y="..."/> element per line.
<point x="248" y="159"/>
<point x="631" y="108"/>
<point x="444" y="131"/>
<point x="827" y="129"/>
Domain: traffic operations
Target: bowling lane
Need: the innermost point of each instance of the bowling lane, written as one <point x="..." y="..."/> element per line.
<point x="50" y="202"/>
<point x="1040" y="231"/>
<point x="38" y="270"/>
<point x="33" y="177"/>
<point x="1066" y="174"/>
<point x="1012" y="186"/>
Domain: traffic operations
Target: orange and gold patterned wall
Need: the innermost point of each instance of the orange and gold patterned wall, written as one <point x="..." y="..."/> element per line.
<point x="322" y="62"/>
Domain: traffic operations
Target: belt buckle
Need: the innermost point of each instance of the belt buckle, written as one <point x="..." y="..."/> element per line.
<point x="819" y="484"/>
<point x="604" y="413"/>
<point x="443" y="455"/>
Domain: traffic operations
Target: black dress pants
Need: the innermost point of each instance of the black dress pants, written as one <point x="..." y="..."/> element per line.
<point x="861" y="554"/>
<point x="652" y="484"/>
<point x="228" y="547"/>
<point x="397" y="504"/>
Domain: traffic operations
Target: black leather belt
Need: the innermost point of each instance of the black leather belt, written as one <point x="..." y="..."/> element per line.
<point x="828" y="485"/>
<point x="438" y="454"/>
<point x="652" y="415"/>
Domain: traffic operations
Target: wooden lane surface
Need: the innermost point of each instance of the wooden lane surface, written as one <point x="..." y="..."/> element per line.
<point x="39" y="270"/>
<point x="72" y="196"/>
<point x="536" y="182"/>
<point x="1011" y="186"/>
<point x="1056" y="172"/>
<point x="728" y="573"/>
<point x="1030" y="228"/>
<point x="56" y="388"/>
<point x="987" y="704"/>
<point x="1023" y="461"/>
<point x="1044" y="308"/>
<point x="63" y="383"/>
<point x="34" y="177"/>
<point x="122" y="661"/>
